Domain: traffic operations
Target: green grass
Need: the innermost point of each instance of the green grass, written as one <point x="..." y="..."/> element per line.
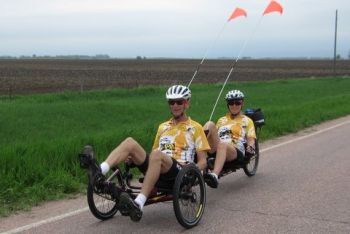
<point x="41" y="135"/>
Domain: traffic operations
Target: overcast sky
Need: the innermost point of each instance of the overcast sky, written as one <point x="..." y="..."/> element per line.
<point x="172" y="28"/>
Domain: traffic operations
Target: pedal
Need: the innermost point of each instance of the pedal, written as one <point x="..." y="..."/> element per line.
<point x="84" y="161"/>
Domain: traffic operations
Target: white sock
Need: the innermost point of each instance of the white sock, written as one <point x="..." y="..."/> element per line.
<point x="104" y="168"/>
<point x="216" y="176"/>
<point x="141" y="200"/>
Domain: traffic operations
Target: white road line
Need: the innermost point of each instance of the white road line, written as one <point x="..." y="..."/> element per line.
<point x="59" y="217"/>
<point x="45" y="221"/>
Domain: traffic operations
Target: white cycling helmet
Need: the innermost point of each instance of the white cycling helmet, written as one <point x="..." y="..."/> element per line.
<point x="234" y="95"/>
<point x="178" y="92"/>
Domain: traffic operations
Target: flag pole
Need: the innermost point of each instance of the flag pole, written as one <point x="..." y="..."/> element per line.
<point x="272" y="7"/>
<point x="236" y="13"/>
<point x="234" y="65"/>
<point x="335" y="43"/>
<point x="205" y="54"/>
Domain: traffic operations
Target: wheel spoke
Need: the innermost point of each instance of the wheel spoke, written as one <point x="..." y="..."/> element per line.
<point x="191" y="199"/>
<point x="101" y="203"/>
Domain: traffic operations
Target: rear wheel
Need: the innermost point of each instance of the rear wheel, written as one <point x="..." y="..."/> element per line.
<point x="189" y="196"/>
<point x="252" y="166"/>
<point x="101" y="203"/>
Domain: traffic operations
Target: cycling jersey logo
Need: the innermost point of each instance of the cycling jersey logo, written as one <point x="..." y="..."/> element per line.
<point x="225" y="132"/>
<point x="167" y="145"/>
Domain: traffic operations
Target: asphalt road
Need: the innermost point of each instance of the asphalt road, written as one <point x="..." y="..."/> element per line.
<point x="302" y="186"/>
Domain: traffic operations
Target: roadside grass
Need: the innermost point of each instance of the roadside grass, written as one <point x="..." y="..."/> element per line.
<point x="41" y="135"/>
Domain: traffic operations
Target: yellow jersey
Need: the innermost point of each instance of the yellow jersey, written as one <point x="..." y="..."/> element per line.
<point x="235" y="130"/>
<point x="182" y="140"/>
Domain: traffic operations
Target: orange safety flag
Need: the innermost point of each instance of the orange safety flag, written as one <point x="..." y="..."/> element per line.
<point x="237" y="13"/>
<point x="273" y="7"/>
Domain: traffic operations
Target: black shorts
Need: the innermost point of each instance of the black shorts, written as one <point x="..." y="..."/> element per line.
<point x="240" y="156"/>
<point x="168" y="176"/>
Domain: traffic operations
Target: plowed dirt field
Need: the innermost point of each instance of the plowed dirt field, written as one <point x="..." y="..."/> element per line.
<point x="43" y="76"/>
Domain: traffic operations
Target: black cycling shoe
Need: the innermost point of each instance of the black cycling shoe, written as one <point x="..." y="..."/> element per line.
<point x="129" y="207"/>
<point x="85" y="156"/>
<point x="87" y="160"/>
<point x="211" y="180"/>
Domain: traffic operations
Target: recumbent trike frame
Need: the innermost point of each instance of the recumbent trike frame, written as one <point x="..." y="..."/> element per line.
<point x="187" y="193"/>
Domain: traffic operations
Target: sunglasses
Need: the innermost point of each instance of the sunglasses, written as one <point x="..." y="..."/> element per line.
<point x="234" y="102"/>
<point x="178" y="102"/>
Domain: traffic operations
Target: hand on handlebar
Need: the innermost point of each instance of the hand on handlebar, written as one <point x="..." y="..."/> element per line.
<point x="250" y="150"/>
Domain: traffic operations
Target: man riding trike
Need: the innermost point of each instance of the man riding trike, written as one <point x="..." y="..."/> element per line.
<point x="170" y="167"/>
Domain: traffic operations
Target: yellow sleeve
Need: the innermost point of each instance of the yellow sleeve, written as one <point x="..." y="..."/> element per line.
<point x="201" y="142"/>
<point x="251" y="129"/>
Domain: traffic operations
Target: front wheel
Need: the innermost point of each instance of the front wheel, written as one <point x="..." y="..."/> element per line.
<point x="189" y="196"/>
<point x="251" y="167"/>
<point x="100" y="202"/>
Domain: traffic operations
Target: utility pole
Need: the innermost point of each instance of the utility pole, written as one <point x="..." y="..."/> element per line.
<point x="335" y="42"/>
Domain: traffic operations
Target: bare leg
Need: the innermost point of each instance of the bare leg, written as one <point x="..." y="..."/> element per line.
<point x="158" y="163"/>
<point x="129" y="148"/>
<point x="213" y="137"/>
<point x="225" y="152"/>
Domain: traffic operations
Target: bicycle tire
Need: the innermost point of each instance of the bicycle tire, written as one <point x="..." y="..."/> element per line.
<point x="188" y="181"/>
<point x="251" y="167"/>
<point x="102" y="205"/>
